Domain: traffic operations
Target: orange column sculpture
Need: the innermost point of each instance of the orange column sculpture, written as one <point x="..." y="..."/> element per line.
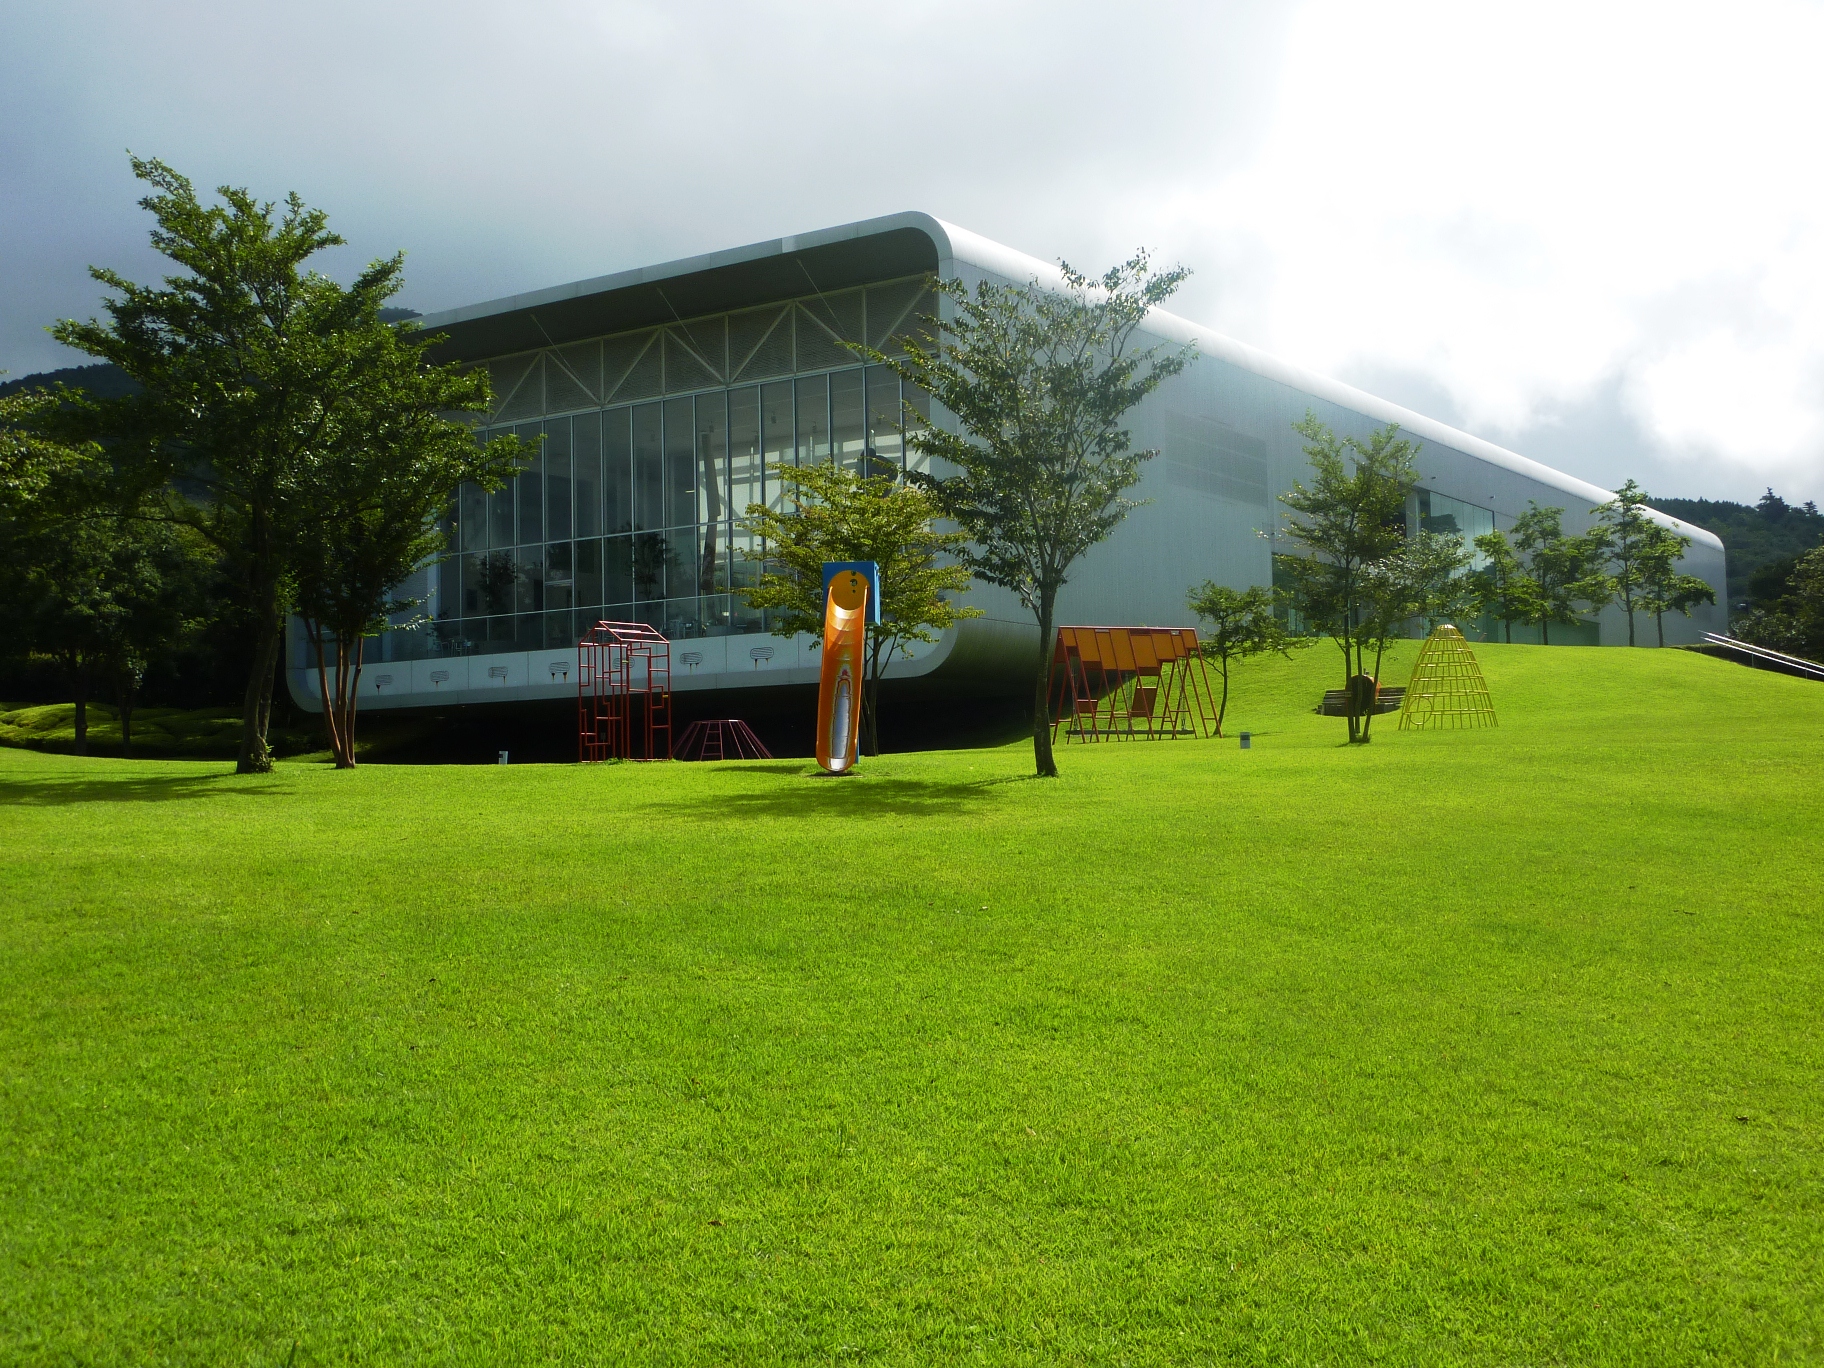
<point x="845" y="638"/>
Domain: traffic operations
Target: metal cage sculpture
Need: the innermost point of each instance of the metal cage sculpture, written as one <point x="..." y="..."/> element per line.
<point x="720" y="738"/>
<point x="1130" y="684"/>
<point x="1447" y="688"/>
<point x="623" y="693"/>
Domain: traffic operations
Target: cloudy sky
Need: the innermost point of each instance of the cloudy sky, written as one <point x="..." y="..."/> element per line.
<point x="1593" y="233"/>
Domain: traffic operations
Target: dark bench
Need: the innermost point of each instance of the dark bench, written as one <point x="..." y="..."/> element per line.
<point x="1336" y="702"/>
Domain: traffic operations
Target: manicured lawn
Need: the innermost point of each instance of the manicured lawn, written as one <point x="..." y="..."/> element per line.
<point x="1496" y="1047"/>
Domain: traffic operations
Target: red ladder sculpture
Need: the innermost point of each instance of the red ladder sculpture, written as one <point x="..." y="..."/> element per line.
<point x="623" y="698"/>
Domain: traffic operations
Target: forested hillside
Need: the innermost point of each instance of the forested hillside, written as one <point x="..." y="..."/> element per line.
<point x="1762" y="540"/>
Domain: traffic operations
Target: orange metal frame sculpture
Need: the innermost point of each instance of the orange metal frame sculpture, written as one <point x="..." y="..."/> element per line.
<point x="623" y="693"/>
<point x="1130" y="684"/>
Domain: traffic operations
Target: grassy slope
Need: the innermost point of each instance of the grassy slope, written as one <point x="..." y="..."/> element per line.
<point x="1493" y="1047"/>
<point x="163" y="732"/>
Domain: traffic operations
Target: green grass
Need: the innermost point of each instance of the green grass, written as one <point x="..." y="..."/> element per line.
<point x="1492" y="1047"/>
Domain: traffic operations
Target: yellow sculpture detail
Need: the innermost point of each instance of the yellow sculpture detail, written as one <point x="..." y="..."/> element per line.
<point x="1447" y="689"/>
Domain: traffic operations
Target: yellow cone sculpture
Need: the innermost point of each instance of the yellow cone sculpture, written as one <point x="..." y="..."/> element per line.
<point x="845" y="636"/>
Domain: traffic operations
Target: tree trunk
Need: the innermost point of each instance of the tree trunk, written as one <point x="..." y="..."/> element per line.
<point x="1043" y="764"/>
<point x="870" y="700"/>
<point x="256" y="707"/>
<point x="348" y="696"/>
<point x="329" y="712"/>
<point x="127" y="697"/>
<point x="1659" y="619"/>
<point x="1222" y="708"/>
<point x="81" y="690"/>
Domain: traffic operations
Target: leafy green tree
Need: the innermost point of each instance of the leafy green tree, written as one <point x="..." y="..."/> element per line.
<point x="250" y="368"/>
<point x="1663" y="589"/>
<point x="1242" y="624"/>
<point x="1566" y="569"/>
<point x="1629" y="541"/>
<point x="1503" y="589"/>
<point x="1795" y="621"/>
<point x="29" y="460"/>
<point x="390" y="463"/>
<point x="836" y="514"/>
<point x="1038" y="379"/>
<point x="1350" y="515"/>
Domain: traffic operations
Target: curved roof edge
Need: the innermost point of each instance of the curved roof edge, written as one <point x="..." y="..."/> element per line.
<point x="952" y="244"/>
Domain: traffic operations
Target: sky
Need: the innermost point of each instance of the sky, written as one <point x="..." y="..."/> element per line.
<point x="1593" y="233"/>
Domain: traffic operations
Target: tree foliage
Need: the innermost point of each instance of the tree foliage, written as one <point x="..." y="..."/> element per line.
<point x="834" y="514"/>
<point x="254" y="373"/>
<point x="1039" y="379"/>
<point x="1565" y="569"/>
<point x="1242" y="623"/>
<point x="1348" y="517"/>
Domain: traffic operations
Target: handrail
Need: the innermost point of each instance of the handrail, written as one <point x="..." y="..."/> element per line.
<point x="1806" y="669"/>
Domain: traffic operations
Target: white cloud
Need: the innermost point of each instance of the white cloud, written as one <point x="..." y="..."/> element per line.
<point x="1527" y="204"/>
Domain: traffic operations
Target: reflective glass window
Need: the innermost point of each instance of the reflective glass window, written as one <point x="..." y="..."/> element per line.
<point x="617" y="472"/>
<point x="617" y="569"/>
<point x="500" y="515"/>
<point x="651" y="559"/>
<point x="449" y="588"/>
<point x="648" y="468"/>
<point x="556" y="457"/>
<point x="531" y="482"/>
<point x="529" y="579"/>
<point x="777" y="444"/>
<point x="848" y="423"/>
<point x="494" y="580"/>
<point x="883" y="419"/>
<point x="472" y="516"/>
<point x="745" y="485"/>
<point x="586" y="572"/>
<point x="586" y="472"/>
<point x="813" y="446"/>
<point x="680" y="463"/>
<point x="712" y="480"/>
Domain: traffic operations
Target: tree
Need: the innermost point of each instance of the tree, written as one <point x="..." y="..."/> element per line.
<point x="250" y="368"/>
<point x="1566" y="570"/>
<point x="1629" y="539"/>
<point x="837" y="514"/>
<point x="1242" y="624"/>
<point x="1503" y="589"/>
<point x="391" y="464"/>
<point x="1663" y="588"/>
<point x="30" y="461"/>
<point x="1038" y="379"/>
<point x="1795" y="621"/>
<point x="1351" y="515"/>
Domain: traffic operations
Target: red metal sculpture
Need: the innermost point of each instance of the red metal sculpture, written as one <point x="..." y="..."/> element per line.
<point x="720" y="738"/>
<point x="623" y="699"/>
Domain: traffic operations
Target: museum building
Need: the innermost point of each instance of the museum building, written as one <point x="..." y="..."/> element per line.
<point x="665" y="395"/>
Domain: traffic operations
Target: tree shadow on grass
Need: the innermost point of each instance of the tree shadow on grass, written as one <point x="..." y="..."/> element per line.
<point x="51" y="791"/>
<point x="812" y="794"/>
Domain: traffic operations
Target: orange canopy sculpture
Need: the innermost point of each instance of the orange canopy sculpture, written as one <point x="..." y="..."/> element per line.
<point x="1130" y="684"/>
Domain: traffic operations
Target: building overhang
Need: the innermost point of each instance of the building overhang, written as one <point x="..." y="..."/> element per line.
<point x="830" y="259"/>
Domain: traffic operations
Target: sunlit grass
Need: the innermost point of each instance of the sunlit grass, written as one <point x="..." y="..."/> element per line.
<point x="1487" y="1047"/>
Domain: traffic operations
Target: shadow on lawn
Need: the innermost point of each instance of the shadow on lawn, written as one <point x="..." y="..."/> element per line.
<point x="57" y="792"/>
<point x="809" y="793"/>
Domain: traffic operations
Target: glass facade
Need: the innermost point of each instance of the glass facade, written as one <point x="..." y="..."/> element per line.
<point x="633" y="510"/>
<point x="1437" y="513"/>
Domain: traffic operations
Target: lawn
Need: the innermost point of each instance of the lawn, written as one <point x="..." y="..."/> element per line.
<point x="1494" y="1047"/>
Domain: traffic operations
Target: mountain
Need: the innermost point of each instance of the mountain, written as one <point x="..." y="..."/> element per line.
<point x="103" y="379"/>
<point x="1760" y="540"/>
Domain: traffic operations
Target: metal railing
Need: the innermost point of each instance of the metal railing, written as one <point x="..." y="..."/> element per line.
<point x="1772" y="660"/>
